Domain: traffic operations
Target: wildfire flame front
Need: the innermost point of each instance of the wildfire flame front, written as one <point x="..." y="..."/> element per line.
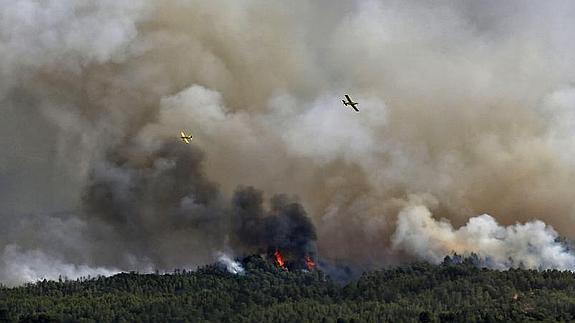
<point x="279" y="259"/>
<point x="309" y="263"/>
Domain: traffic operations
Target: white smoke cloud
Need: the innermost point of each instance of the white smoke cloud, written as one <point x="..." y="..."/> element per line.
<point x="532" y="245"/>
<point x="21" y="266"/>
<point x="323" y="132"/>
<point x="65" y="33"/>
<point x="231" y="265"/>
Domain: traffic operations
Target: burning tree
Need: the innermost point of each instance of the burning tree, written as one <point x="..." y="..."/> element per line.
<point x="279" y="259"/>
<point x="309" y="263"/>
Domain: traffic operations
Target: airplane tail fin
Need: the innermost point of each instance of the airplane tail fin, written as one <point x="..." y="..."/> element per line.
<point x="344" y="103"/>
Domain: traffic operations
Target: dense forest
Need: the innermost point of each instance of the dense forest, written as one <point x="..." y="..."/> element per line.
<point x="455" y="291"/>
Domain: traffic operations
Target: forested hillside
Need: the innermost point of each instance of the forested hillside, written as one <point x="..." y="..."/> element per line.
<point x="264" y="293"/>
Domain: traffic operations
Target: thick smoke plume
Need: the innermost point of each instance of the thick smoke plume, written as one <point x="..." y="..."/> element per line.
<point x="285" y="227"/>
<point x="467" y="108"/>
<point x="532" y="245"/>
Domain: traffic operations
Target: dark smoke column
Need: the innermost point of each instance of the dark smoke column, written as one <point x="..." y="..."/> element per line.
<point x="286" y="227"/>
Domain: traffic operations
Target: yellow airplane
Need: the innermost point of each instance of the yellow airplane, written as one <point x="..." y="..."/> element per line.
<point x="185" y="138"/>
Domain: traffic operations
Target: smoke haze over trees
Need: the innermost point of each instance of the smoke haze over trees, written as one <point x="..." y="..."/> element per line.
<point x="463" y="143"/>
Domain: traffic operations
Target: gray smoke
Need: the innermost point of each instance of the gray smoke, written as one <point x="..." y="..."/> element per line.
<point x="466" y="109"/>
<point x="155" y="206"/>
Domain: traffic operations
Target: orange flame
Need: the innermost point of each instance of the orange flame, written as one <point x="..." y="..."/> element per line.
<point x="310" y="263"/>
<point x="279" y="259"/>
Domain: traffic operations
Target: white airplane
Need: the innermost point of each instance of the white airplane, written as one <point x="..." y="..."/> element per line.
<point x="350" y="102"/>
<point x="185" y="138"/>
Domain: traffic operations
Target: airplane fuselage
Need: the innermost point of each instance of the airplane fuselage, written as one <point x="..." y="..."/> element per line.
<point x="350" y="103"/>
<point x="186" y="139"/>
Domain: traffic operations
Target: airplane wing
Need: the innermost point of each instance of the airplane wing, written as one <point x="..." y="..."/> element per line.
<point x="348" y="98"/>
<point x="186" y="140"/>
<point x="355" y="108"/>
<point x="182" y="134"/>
